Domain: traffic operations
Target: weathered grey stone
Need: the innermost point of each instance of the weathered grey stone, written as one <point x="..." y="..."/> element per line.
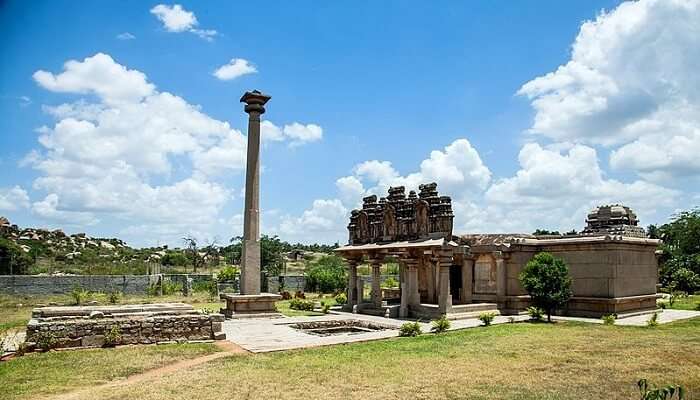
<point x="97" y="314"/>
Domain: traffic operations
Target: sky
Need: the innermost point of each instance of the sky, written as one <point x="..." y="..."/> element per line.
<point x="122" y="118"/>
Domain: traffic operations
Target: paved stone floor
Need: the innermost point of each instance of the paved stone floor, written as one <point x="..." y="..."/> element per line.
<point x="266" y="335"/>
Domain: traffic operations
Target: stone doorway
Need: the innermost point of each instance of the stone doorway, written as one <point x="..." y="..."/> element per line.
<point x="456" y="284"/>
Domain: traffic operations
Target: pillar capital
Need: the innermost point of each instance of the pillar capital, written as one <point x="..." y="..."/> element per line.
<point x="255" y="102"/>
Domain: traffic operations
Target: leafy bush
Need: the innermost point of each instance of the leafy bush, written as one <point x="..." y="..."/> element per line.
<point x="535" y="313"/>
<point x="170" y="287"/>
<point x="113" y="336"/>
<point x="547" y="281"/>
<point x="608" y="319"/>
<point x="653" y="320"/>
<point x="326" y="274"/>
<point x="299" y="295"/>
<point x="301" y="304"/>
<point x="341" y="299"/>
<point x="286" y="295"/>
<point x="325" y="308"/>
<point x="79" y="295"/>
<point x="675" y="295"/>
<point x="440" y="325"/>
<point x="114" y="296"/>
<point x="651" y="392"/>
<point x="487" y="317"/>
<point x="228" y="274"/>
<point x="410" y="329"/>
<point x="390" y="282"/>
<point x="206" y="287"/>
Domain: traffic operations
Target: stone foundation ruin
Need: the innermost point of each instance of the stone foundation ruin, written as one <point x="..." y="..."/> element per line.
<point x="99" y="326"/>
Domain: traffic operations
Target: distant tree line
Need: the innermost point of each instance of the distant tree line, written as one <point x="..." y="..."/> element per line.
<point x="680" y="261"/>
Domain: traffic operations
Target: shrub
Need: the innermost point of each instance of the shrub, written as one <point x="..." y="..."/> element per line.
<point x="487" y="317"/>
<point x="325" y="308"/>
<point x="675" y="295"/>
<point x="114" y="296"/>
<point x="228" y="274"/>
<point x="608" y="319"/>
<point x="390" y="282"/>
<point x="113" y="336"/>
<point x="440" y="325"/>
<point x="662" y="304"/>
<point x="651" y="392"/>
<point x="326" y="274"/>
<point x="341" y="299"/>
<point x="535" y="313"/>
<point x="301" y="304"/>
<point x="79" y="295"/>
<point x="286" y="295"/>
<point x="206" y="287"/>
<point x="170" y="287"/>
<point x="299" y="295"/>
<point x="547" y="281"/>
<point x="46" y="341"/>
<point x="653" y="320"/>
<point x="410" y="329"/>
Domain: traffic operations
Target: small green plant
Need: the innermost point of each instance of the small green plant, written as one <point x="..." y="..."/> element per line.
<point x="325" y="308"/>
<point x="113" y="336"/>
<point x="662" y="304"/>
<point x="487" y="317"/>
<point x="608" y="319"/>
<point x="649" y="391"/>
<point x="390" y="282"/>
<point x="440" y="325"/>
<point x="207" y="310"/>
<point x="301" y="305"/>
<point x="299" y="295"/>
<point x="341" y="299"/>
<point x="676" y="295"/>
<point x="511" y="320"/>
<point x="79" y="295"/>
<point x="45" y="341"/>
<point x="410" y="329"/>
<point x="114" y="296"/>
<point x="535" y="313"/>
<point x="653" y="320"/>
<point x="228" y="274"/>
<point x="286" y="295"/>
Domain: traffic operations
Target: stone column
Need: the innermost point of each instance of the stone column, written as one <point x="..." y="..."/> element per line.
<point x="403" y="284"/>
<point x="444" y="296"/>
<point x="250" y="256"/>
<point x="376" y="283"/>
<point x="413" y="294"/>
<point x="467" y="279"/>
<point x="501" y="277"/>
<point x="352" y="283"/>
<point x="432" y="278"/>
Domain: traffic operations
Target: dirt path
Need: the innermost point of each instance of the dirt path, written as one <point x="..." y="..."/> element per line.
<point x="228" y="349"/>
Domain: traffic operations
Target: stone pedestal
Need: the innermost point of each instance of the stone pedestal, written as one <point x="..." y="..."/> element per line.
<point x="242" y="305"/>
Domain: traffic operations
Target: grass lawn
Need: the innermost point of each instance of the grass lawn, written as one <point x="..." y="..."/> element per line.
<point x="510" y="361"/>
<point x="58" y="371"/>
<point x="687" y="303"/>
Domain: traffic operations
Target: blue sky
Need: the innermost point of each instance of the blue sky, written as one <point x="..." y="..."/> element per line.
<point x="526" y="113"/>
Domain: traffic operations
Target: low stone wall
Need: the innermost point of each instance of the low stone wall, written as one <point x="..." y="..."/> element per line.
<point x="62" y="327"/>
<point x="48" y="284"/>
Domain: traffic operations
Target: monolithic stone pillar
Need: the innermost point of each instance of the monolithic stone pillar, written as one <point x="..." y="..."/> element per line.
<point x="360" y="290"/>
<point x="352" y="282"/>
<point x="376" y="283"/>
<point x="501" y="277"/>
<point x="467" y="279"/>
<point x="413" y="294"/>
<point x="250" y="257"/>
<point x="444" y="296"/>
<point x="431" y="275"/>
<point x="403" y="284"/>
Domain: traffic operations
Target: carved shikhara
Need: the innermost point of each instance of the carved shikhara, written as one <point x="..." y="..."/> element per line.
<point x="400" y="217"/>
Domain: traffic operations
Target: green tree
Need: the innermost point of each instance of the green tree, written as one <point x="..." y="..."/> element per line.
<point x="271" y="252"/>
<point x="13" y="260"/>
<point x="680" y="261"/>
<point x="544" y="232"/>
<point x="547" y="281"/>
<point x="327" y="274"/>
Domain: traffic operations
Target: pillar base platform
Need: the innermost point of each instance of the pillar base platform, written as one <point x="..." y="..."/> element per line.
<point x="240" y="305"/>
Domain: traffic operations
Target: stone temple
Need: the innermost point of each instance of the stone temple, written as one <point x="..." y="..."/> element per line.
<point x="612" y="263"/>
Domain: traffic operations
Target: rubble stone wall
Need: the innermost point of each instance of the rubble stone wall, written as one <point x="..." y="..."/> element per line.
<point x="60" y="332"/>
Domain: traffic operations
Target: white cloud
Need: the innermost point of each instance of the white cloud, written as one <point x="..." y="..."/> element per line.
<point x="126" y="36"/>
<point x="98" y="75"/>
<point x="631" y="82"/>
<point x="297" y="134"/>
<point x="458" y="170"/>
<point x="176" y="19"/>
<point x="350" y="190"/>
<point x="48" y="209"/>
<point x="323" y="223"/>
<point x="235" y="68"/>
<point x="14" y="198"/>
